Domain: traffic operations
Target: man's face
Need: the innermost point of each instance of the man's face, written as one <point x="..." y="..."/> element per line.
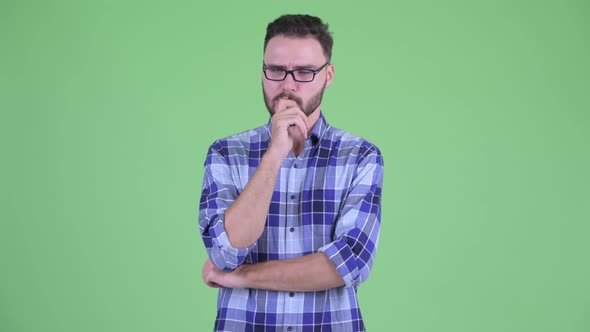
<point x="290" y="54"/>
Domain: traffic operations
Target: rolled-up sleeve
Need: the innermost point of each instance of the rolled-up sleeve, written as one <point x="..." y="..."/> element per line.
<point x="357" y="229"/>
<point x="218" y="193"/>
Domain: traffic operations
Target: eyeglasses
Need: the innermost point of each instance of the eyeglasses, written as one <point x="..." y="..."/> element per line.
<point x="299" y="75"/>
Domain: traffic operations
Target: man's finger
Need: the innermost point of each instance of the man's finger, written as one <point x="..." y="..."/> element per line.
<point x="284" y="104"/>
<point x="213" y="284"/>
<point x="301" y="127"/>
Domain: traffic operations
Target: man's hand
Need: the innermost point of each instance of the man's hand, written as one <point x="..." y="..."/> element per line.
<point x="211" y="274"/>
<point x="289" y="125"/>
<point x="216" y="278"/>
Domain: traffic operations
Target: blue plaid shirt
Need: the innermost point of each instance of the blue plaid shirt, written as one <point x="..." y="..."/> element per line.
<point x="327" y="199"/>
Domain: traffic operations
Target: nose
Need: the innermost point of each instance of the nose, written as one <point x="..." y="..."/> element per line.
<point x="289" y="83"/>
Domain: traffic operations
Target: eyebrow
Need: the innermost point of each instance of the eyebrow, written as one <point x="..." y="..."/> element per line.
<point x="308" y="67"/>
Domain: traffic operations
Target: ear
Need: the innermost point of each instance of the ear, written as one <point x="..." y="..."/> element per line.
<point x="329" y="74"/>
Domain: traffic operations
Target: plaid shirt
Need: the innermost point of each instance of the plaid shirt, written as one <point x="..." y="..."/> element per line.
<point x="327" y="199"/>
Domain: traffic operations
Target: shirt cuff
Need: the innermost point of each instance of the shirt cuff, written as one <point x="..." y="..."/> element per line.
<point x="344" y="260"/>
<point x="222" y="253"/>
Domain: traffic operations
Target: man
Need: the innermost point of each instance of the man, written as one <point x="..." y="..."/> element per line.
<point x="290" y="211"/>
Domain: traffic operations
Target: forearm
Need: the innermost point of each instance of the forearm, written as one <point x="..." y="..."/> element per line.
<point x="314" y="272"/>
<point x="246" y="217"/>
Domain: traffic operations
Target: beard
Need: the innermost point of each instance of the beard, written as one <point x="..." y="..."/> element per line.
<point x="307" y="108"/>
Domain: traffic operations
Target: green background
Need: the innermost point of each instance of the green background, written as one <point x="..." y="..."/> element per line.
<point x="480" y="108"/>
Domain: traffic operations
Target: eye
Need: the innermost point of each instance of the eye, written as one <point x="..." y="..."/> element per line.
<point x="304" y="74"/>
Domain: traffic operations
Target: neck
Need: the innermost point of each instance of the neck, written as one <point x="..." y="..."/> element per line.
<point x="312" y="119"/>
<point x="298" y="148"/>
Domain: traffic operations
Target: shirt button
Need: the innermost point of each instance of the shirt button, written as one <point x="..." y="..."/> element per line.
<point x="289" y="328"/>
<point x="295" y="165"/>
<point x="291" y="229"/>
<point x="292" y="196"/>
<point x="291" y="294"/>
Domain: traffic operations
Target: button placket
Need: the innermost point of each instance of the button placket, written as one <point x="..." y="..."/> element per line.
<point x="292" y="233"/>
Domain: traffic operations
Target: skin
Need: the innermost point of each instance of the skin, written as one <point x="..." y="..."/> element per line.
<point x="288" y="102"/>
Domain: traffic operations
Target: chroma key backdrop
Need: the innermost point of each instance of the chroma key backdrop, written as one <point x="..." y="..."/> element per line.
<point x="480" y="108"/>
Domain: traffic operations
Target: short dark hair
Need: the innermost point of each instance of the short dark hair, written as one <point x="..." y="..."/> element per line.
<point x="301" y="26"/>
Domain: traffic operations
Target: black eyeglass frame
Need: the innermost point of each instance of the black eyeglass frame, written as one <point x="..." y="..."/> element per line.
<point x="287" y="72"/>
